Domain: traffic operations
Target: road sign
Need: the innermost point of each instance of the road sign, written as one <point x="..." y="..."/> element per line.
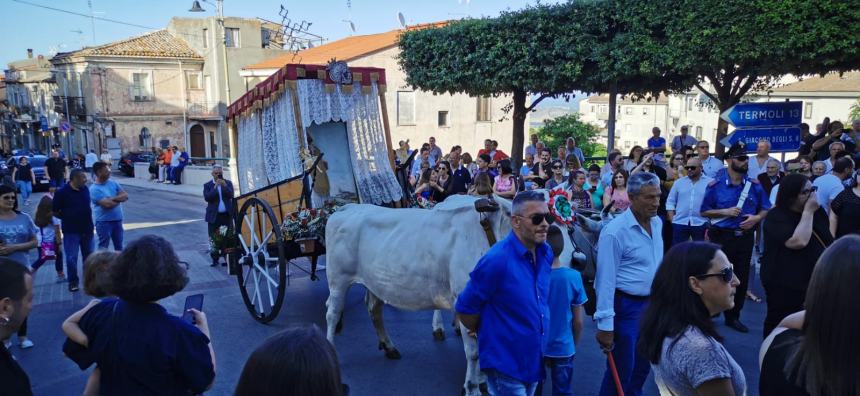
<point x="781" y="138"/>
<point x="764" y="114"/>
<point x="43" y="123"/>
<point x="65" y="127"/>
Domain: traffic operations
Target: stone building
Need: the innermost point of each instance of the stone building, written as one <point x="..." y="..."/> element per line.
<point x="129" y="95"/>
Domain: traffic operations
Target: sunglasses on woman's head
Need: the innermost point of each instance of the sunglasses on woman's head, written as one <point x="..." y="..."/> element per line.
<point x="539" y="218"/>
<point x="727" y="274"/>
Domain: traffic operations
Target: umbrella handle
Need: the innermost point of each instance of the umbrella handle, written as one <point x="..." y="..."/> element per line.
<point x="614" y="371"/>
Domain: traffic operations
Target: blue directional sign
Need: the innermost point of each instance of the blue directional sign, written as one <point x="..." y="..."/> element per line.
<point x="784" y="138"/>
<point x="764" y="114"/>
<point x="43" y="123"/>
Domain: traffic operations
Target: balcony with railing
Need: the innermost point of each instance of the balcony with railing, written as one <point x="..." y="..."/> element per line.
<point x="202" y="109"/>
<point x="75" y="105"/>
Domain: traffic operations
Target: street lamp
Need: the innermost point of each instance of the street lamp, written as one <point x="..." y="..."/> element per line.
<point x="219" y="6"/>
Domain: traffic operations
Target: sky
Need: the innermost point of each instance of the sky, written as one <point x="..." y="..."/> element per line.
<point x="48" y="31"/>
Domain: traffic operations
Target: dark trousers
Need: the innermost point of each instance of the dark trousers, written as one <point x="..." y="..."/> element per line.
<point x="739" y="250"/>
<point x="221" y="219"/>
<point x="177" y="174"/>
<point x="633" y="367"/>
<point x="684" y="233"/>
<point x="781" y="302"/>
<point x="22" y="331"/>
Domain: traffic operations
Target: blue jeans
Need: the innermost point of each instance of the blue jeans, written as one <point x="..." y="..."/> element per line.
<point x="499" y="384"/>
<point x="58" y="183"/>
<point x="110" y="231"/>
<point x="71" y="244"/>
<point x="633" y="367"/>
<point x="26" y="188"/>
<point x="684" y="233"/>
<point x="561" y="372"/>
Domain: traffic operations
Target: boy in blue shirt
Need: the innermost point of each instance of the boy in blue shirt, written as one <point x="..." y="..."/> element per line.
<point x="566" y="296"/>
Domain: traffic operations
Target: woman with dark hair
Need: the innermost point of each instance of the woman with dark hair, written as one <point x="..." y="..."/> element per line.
<point x="845" y="210"/>
<point x="805" y="165"/>
<point x="505" y="184"/>
<point x="695" y="282"/>
<point x="557" y="178"/>
<point x="17" y="238"/>
<point x="16" y="300"/>
<point x="138" y="346"/>
<point x="443" y="181"/>
<point x="817" y="352"/>
<point x="795" y="234"/>
<point x="294" y="362"/>
<point x="24" y="178"/>
<point x="616" y="193"/>
<point x="423" y="188"/>
<point x="633" y="159"/>
<point x="482" y="186"/>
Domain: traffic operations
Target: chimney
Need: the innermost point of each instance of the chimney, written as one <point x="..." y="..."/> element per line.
<point x="29" y="53"/>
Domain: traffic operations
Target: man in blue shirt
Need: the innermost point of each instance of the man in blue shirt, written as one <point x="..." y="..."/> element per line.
<point x="107" y="198"/>
<point x="628" y="253"/>
<point x="736" y="204"/>
<point x="657" y="145"/>
<point x="570" y="146"/>
<point x="682" y="140"/>
<point x="505" y="301"/>
<point x="685" y="201"/>
<point x="711" y="166"/>
<point x="72" y="205"/>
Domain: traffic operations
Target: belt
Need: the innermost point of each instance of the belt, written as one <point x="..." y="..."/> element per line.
<point x="631" y="296"/>
<point x="732" y="232"/>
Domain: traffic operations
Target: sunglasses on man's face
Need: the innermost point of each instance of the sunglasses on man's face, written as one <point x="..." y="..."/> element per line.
<point x="8" y="198"/>
<point x="539" y="218"/>
<point x="727" y="274"/>
<point x="742" y="158"/>
<point x="691" y="168"/>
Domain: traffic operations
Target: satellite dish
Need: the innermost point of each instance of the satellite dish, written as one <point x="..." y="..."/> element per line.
<point x="352" y="26"/>
<point x="402" y="19"/>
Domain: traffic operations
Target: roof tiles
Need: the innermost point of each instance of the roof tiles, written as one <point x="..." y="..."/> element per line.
<point x="158" y="44"/>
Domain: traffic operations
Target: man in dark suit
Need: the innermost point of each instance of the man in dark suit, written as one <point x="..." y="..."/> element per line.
<point x="218" y="194"/>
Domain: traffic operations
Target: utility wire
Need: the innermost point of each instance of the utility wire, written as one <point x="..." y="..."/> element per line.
<point x="84" y="15"/>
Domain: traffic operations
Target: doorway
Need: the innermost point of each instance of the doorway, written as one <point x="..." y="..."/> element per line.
<point x="198" y="141"/>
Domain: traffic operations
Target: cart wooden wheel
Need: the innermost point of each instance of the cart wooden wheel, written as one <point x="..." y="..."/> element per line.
<point x="262" y="276"/>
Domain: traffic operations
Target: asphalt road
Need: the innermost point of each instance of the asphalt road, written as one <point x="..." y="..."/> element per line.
<point x="428" y="367"/>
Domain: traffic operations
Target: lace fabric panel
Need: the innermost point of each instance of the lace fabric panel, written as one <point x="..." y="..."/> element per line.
<point x="252" y="167"/>
<point x="286" y="141"/>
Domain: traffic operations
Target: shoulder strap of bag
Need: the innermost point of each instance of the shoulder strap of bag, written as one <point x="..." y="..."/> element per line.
<point x="744" y="194"/>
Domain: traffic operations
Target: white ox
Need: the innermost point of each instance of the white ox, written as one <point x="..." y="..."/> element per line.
<point x="388" y="251"/>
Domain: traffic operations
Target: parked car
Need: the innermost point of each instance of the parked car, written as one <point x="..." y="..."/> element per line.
<point x="37" y="162"/>
<point x="126" y="163"/>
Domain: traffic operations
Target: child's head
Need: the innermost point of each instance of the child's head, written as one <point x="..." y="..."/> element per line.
<point x="44" y="212"/>
<point x="97" y="274"/>
<point x="555" y="241"/>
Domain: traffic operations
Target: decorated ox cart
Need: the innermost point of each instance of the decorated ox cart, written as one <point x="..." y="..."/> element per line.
<point x="308" y="137"/>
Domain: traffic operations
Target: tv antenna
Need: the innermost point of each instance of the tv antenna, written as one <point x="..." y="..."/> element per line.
<point x="351" y="24"/>
<point x="401" y="19"/>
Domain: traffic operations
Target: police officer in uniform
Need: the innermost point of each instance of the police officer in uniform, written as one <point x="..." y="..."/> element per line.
<point x="735" y="205"/>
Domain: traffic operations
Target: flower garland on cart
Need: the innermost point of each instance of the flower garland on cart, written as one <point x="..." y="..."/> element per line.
<point x="560" y="207"/>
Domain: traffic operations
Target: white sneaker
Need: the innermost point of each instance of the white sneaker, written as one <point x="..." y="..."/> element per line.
<point x="26" y="344"/>
<point x="7" y="344"/>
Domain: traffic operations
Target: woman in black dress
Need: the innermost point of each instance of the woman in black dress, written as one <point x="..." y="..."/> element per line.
<point x="845" y="210"/>
<point x="796" y="232"/>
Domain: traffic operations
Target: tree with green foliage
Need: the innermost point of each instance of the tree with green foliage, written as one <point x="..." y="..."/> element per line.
<point x="731" y="48"/>
<point x="519" y="54"/>
<point x="854" y="112"/>
<point x="555" y="131"/>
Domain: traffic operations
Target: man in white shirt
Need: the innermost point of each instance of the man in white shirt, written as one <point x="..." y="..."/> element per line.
<point x="685" y="201"/>
<point x="89" y="160"/>
<point x="835" y="148"/>
<point x="106" y="158"/>
<point x="758" y="163"/>
<point x="830" y="185"/>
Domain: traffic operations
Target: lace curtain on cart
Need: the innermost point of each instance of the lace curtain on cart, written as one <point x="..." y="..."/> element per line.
<point x="252" y="167"/>
<point x="373" y="175"/>
<point x="280" y="140"/>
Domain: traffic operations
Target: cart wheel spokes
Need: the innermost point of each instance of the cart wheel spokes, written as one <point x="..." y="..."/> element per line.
<point x="262" y="279"/>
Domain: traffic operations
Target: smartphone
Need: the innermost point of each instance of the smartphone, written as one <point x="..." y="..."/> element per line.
<point x="194" y="301"/>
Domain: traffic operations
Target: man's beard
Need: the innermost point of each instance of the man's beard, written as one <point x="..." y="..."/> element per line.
<point x="743" y="168"/>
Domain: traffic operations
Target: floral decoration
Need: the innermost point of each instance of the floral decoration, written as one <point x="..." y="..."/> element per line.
<point x="560" y="206"/>
<point x="223" y="238"/>
<point x="308" y="223"/>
